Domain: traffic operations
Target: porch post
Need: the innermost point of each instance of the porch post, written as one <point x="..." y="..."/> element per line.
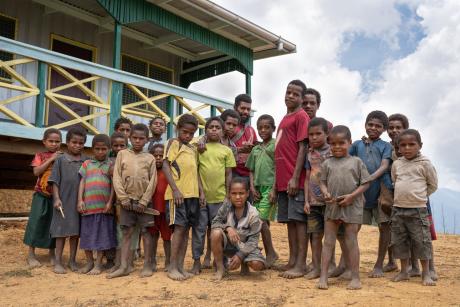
<point x="248" y="83"/>
<point x="170" y="111"/>
<point x="115" y="99"/>
<point x="40" y="102"/>
<point x="213" y="111"/>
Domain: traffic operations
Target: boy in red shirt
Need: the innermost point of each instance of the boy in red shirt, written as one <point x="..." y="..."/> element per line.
<point x="158" y="200"/>
<point x="290" y="149"/>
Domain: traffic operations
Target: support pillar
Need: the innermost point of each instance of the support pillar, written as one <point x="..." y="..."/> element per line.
<point x="248" y="83"/>
<point x="170" y="111"/>
<point x="116" y="95"/>
<point x="41" y="98"/>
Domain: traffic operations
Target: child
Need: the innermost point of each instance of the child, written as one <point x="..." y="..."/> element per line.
<point x="41" y="212"/>
<point x="123" y="125"/>
<point x="235" y="232"/>
<point x="290" y="176"/>
<point x="415" y="179"/>
<point x="157" y="127"/>
<point x="134" y="181"/>
<point x="344" y="178"/>
<point x="65" y="179"/>
<point x="261" y="163"/>
<point x="315" y="205"/>
<point x="95" y="197"/>
<point x="161" y="225"/>
<point x="215" y="170"/>
<point x="376" y="155"/>
<point x="184" y="192"/>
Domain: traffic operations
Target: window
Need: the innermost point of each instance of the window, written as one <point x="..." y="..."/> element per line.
<point x="146" y="69"/>
<point x="8" y="30"/>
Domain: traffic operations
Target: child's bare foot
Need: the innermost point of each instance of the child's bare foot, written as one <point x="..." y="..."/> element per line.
<point x="72" y="266"/>
<point x="346" y="275"/>
<point x="88" y="267"/>
<point x="196" y="269"/>
<point x="219" y="275"/>
<point x="52" y="256"/>
<point x="118" y="273"/>
<point x="336" y="272"/>
<point x="401" y="276"/>
<point x="206" y="263"/>
<point x="322" y="284"/>
<point x="131" y="268"/>
<point x="33" y="262"/>
<point x="59" y="269"/>
<point x="355" y="284"/>
<point x="108" y="265"/>
<point x="147" y="271"/>
<point x="244" y="269"/>
<point x="310" y="267"/>
<point x="313" y="274"/>
<point x="97" y="269"/>
<point x="332" y="268"/>
<point x="376" y="273"/>
<point x="427" y="280"/>
<point x="176" y="275"/>
<point x="390" y="267"/>
<point x="114" y="268"/>
<point x="293" y="273"/>
<point x="434" y="275"/>
<point x="282" y="268"/>
<point x="154" y="266"/>
<point x="414" y="272"/>
<point x="271" y="259"/>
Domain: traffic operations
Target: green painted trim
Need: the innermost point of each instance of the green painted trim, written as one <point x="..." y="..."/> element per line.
<point x="133" y="11"/>
<point x="213" y="111"/>
<point x="116" y="94"/>
<point x="40" y="102"/>
<point x="248" y="83"/>
<point x="170" y="111"/>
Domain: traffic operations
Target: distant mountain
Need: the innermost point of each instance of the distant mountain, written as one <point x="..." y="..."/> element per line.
<point x="446" y="203"/>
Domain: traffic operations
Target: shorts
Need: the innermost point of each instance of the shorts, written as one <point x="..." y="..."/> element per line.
<point x="130" y="218"/>
<point x="161" y="226"/>
<point x="186" y="215"/>
<point x="267" y="210"/>
<point x="290" y="208"/>
<point x="316" y="219"/>
<point x="230" y="250"/>
<point x="375" y="216"/>
<point x="410" y="227"/>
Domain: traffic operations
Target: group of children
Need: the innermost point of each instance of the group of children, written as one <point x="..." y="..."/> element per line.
<point x="311" y="177"/>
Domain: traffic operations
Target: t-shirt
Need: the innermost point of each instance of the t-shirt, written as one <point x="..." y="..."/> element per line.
<point x="42" y="185"/>
<point x="313" y="163"/>
<point x="261" y="162"/>
<point x="292" y="129"/>
<point x="158" y="198"/>
<point x="211" y="165"/>
<point x="249" y="136"/>
<point x="97" y="185"/>
<point x="372" y="153"/>
<point x="183" y="159"/>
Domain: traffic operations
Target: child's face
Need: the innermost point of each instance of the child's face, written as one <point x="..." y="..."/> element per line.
<point x="265" y="129"/>
<point x="409" y="147"/>
<point x="186" y="133"/>
<point x="230" y="126"/>
<point x="138" y="140"/>
<point x="100" y="151"/>
<point x="158" y="127"/>
<point x="76" y="144"/>
<point x="158" y="155"/>
<point x="340" y="145"/>
<point x="310" y="105"/>
<point x="214" y="131"/>
<point x="52" y="142"/>
<point x="293" y="97"/>
<point x="395" y="127"/>
<point x="125" y="128"/>
<point x="374" y="128"/>
<point x="238" y="195"/>
<point x="316" y="137"/>
<point x="118" y="144"/>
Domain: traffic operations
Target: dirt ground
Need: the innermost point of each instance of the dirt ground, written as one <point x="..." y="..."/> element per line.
<point x="40" y="286"/>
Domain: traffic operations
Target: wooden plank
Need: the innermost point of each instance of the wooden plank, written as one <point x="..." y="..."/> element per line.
<point x="14" y="116"/>
<point x="16" y="76"/>
<point x="18" y="97"/>
<point x="189" y="107"/>
<point x="72" y="84"/>
<point x="79" y="120"/>
<point x="79" y="100"/>
<point x="146" y="99"/>
<point x="141" y="102"/>
<point x="17" y="87"/>
<point x="16" y="62"/>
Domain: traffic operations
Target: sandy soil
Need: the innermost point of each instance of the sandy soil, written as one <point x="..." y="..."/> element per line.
<point x="21" y="286"/>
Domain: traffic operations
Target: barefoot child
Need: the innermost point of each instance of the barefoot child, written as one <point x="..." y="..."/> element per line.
<point x="161" y="225"/>
<point x="65" y="180"/>
<point x="157" y="127"/>
<point x="123" y="125"/>
<point x="95" y="197"/>
<point x="235" y="232"/>
<point x="215" y="170"/>
<point x="38" y="226"/>
<point x="318" y="152"/>
<point x="376" y="155"/>
<point x="290" y="176"/>
<point x="344" y="179"/>
<point x="415" y="179"/>
<point x="134" y="181"/>
<point x="184" y="192"/>
<point x="261" y="163"/>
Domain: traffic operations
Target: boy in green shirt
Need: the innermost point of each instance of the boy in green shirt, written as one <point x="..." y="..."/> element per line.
<point x="261" y="163"/>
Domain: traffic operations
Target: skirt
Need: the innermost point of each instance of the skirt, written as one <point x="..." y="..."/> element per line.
<point x="98" y="232"/>
<point x="38" y="227"/>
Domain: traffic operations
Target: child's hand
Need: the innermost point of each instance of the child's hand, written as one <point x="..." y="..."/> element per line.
<point x="178" y="198"/>
<point x="108" y="208"/>
<point x="233" y="235"/>
<point x="306" y="207"/>
<point x="234" y="263"/>
<point x="292" y="187"/>
<point x="137" y="207"/>
<point x="328" y="198"/>
<point x="255" y="194"/>
<point x="57" y="204"/>
<point x="126" y="204"/>
<point x="201" y="145"/>
<point x="56" y="155"/>
<point x="345" y="200"/>
<point x="81" y="207"/>
<point x="273" y="197"/>
<point x="202" y="199"/>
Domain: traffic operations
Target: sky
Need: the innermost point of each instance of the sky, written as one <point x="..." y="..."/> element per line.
<point x="389" y="55"/>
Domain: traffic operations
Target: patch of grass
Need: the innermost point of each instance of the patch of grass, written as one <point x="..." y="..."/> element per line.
<point x="18" y="273"/>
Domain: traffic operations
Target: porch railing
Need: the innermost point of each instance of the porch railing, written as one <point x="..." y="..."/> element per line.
<point x="24" y="85"/>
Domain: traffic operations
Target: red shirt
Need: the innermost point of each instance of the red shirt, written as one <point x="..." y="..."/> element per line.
<point x="42" y="185"/>
<point x="158" y="198"/>
<point x="249" y="137"/>
<point x="292" y="129"/>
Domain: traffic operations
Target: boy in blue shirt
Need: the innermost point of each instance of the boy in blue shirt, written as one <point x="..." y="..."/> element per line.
<point x="376" y="155"/>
